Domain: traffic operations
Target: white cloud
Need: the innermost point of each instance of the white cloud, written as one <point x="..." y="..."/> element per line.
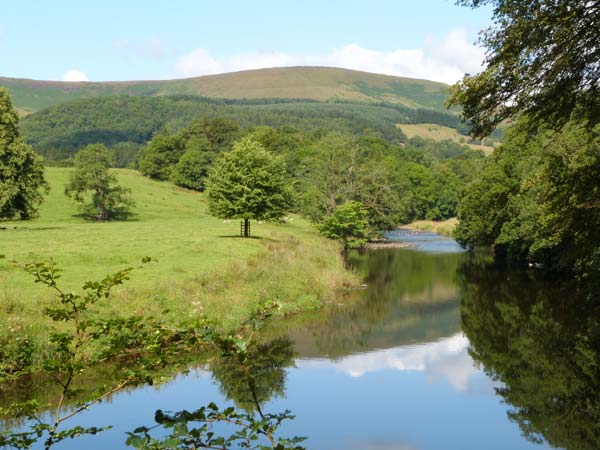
<point x="154" y="48"/>
<point x="74" y="75"/>
<point x="198" y="62"/>
<point x="446" y="61"/>
<point x="446" y="359"/>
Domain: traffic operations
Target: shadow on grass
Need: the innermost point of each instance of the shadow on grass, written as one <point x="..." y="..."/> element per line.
<point x="233" y="236"/>
<point x="129" y="218"/>
<point x="17" y="228"/>
<point x="237" y="236"/>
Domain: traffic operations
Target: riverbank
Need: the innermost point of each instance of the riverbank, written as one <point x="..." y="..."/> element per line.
<point x="443" y="227"/>
<point x="201" y="267"/>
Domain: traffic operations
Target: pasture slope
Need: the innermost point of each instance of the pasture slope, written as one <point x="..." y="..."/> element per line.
<point x="202" y="267"/>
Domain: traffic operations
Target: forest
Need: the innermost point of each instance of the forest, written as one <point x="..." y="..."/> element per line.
<point x="59" y="131"/>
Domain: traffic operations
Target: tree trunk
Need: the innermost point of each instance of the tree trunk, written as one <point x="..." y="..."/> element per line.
<point x="246" y="227"/>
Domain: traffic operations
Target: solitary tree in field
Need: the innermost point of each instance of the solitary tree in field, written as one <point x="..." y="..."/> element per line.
<point x="22" y="182"/>
<point x="248" y="183"/>
<point x="108" y="200"/>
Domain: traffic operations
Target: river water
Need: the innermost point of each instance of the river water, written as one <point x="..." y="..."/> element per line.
<point x="435" y="354"/>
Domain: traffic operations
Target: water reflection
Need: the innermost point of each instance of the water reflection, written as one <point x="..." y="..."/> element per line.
<point x="411" y="297"/>
<point x="257" y="378"/>
<point x="444" y="360"/>
<point x="541" y="340"/>
<point x="404" y="365"/>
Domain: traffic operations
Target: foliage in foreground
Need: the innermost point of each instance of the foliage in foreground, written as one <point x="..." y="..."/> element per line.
<point x="148" y="347"/>
<point x="22" y="182"/>
<point x="109" y="201"/>
<point x="542" y="60"/>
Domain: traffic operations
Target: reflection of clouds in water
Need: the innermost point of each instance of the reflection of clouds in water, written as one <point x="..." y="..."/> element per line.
<point x="446" y="359"/>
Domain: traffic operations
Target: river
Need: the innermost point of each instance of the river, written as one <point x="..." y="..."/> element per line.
<point x="437" y="353"/>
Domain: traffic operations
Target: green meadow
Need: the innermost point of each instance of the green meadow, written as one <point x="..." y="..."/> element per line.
<point x="200" y="264"/>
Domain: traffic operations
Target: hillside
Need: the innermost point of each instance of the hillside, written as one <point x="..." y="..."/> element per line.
<point x="441" y="133"/>
<point x="63" y="129"/>
<point x="313" y="83"/>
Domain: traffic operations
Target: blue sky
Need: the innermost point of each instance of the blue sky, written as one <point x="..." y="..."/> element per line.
<point x="133" y="39"/>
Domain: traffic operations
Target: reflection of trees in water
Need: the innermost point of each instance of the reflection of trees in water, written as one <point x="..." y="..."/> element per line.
<point x="410" y="296"/>
<point x="257" y="376"/>
<point x="542" y="341"/>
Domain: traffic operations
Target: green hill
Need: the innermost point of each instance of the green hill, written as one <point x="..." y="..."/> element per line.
<point x="313" y="83"/>
<point x="63" y="129"/>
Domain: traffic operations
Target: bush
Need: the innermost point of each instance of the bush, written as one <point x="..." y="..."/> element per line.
<point x="349" y="224"/>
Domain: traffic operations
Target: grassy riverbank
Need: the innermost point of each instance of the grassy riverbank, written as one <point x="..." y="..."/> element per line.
<point x="203" y="266"/>
<point x="443" y="227"/>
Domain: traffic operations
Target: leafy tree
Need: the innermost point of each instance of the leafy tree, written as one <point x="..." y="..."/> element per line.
<point x="22" y="182"/>
<point x="349" y="224"/>
<point x="339" y="168"/>
<point x="483" y="209"/>
<point x="422" y="187"/>
<point x="219" y="132"/>
<point x="192" y="168"/>
<point x="160" y="156"/>
<point x="542" y="60"/>
<point x="537" y="200"/>
<point x="109" y="201"/>
<point x="247" y="183"/>
<point x="447" y="188"/>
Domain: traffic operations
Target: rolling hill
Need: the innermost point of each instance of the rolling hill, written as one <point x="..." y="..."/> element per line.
<point x="311" y="83"/>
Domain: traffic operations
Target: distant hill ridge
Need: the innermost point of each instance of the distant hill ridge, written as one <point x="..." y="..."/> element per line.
<point x="314" y="83"/>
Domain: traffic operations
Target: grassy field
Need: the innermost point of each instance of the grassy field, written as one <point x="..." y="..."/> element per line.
<point x="441" y="133"/>
<point x="316" y="83"/>
<point x="203" y="266"/>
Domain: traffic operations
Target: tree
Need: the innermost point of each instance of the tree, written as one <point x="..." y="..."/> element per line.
<point x="109" y="201"/>
<point x="192" y="168"/>
<point x="22" y="182"/>
<point x="247" y="183"/>
<point x="542" y="60"/>
<point x="339" y="168"/>
<point x="160" y="156"/>
<point x="349" y="224"/>
<point x="537" y="200"/>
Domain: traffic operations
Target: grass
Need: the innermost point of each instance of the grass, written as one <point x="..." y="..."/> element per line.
<point x="203" y="266"/>
<point x="316" y="83"/>
<point x="441" y="133"/>
<point x="445" y="227"/>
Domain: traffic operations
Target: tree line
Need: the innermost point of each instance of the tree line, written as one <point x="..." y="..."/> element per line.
<point x="387" y="183"/>
<point x="128" y="123"/>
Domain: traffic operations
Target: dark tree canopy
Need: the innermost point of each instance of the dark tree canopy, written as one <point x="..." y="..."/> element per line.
<point x="543" y="59"/>
<point x="22" y="182"/>
<point x="536" y="199"/>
